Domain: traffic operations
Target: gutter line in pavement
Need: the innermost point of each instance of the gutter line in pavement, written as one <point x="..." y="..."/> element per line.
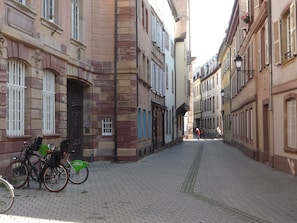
<point x="189" y="185"/>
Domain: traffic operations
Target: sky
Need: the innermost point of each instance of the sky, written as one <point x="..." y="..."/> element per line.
<point x="209" y="22"/>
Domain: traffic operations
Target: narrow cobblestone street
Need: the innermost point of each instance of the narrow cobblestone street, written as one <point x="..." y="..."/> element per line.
<point x="198" y="181"/>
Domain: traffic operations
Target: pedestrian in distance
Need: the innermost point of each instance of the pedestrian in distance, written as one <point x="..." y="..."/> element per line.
<point x="219" y="132"/>
<point x="201" y="132"/>
<point x="198" y="133"/>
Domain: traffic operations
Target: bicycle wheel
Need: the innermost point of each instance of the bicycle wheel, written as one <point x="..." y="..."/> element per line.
<point x="55" y="179"/>
<point x="6" y="195"/>
<point x="17" y="174"/>
<point x="78" y="177"/>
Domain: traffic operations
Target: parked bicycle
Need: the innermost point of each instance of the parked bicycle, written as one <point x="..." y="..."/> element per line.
<point x="48" y="170"/>
<point x="77" y="169"/>
<point x="6" y="195"/>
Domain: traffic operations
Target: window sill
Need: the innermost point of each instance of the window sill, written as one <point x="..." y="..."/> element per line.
<point x="290" y="150"/>
<point x="51" y="25"/>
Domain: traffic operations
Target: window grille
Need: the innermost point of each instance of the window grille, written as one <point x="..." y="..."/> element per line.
<point x="106" y="127"/>
<point x="75" y="19"/>
<point x="15" y="98"/>
<point x="48" y="103"/>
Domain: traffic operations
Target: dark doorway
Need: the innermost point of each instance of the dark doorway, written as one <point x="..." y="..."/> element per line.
<point x="266" y="134"/>
<point x="75" y="116"/>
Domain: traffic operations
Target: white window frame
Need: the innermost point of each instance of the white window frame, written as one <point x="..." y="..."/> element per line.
<point x="48" y="94"/>
<point x="75" y="10"/>
<point x="49" y="10"/>
<point x="106" y="126"/>
<point x="15" y="98"/>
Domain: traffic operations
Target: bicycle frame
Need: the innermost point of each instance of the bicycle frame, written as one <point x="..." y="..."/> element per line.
<point x="32" y="168"/>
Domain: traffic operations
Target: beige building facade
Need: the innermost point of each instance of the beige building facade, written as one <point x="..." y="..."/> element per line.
<point x="83" y="70"/>
<point x="261" y="95"/>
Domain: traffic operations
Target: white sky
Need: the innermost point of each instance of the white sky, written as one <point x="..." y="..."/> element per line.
<point x="209" y="22"/>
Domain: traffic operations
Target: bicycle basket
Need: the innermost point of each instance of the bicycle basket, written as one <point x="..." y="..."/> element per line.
<point x="36" y="144"/>
<point x="64" y="146"/>
<point x="43" y="150"/>
<point x="55" y="159"/>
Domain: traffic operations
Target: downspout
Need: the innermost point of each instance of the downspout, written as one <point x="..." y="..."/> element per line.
<point x="137" y="62"/>
<point x="270" y="54"/>
<point x="270" y="106"/>
<point x="115" y="82"/>
<point x="230" y="93"/>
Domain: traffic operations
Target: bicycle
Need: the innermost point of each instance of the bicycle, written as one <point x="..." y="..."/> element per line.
<point x="48" y="171"/>
<point x="78" y="169"/>
<point x="6" y="195"/>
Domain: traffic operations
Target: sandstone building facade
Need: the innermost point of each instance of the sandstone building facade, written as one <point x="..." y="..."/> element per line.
<point x="91" y="71"/>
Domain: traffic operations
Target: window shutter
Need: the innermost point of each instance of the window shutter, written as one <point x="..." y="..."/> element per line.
<point x="152" y="74"/>
<point x="276" y="42"/>
<point x="154" y="21"/>
<point x="266" y="44"/>
<point x="251" y="65"/>
<point x="259" y="51"/>
<point x="293" y="29"/>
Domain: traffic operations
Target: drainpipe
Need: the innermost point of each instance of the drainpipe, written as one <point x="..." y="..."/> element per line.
<point x="270" y="54"/>
<point x="270" y="106"/>
<point x="115" y="83"/>
<point x="137" y="62"/>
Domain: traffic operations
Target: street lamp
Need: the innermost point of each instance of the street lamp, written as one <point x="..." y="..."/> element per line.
<point x="238" y="63"/>
<point x="225" y="97"/>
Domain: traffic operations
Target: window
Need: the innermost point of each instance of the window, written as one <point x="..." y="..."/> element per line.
<point x="157" y="78"/>
<point x="75" y="19"/>
<point x="285" y="36"/>
<point x="139" y="123"/>
<point x="144" y="124"/>
<point x="15" y="98"/>
<point x="22" y="1"/>
<point x="291" y="123"/>
<point x="142" y="13"/>
<point x="48" y="103"/>
<point x="106" y="127"/>
<point x="50" y="10"/>
<point x="167" y="78"/>
<point x="157" y="33"/>
<point x="149" y="124"/>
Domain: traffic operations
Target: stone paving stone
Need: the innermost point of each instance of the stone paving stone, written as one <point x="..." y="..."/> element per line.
<point x="203" y="181"/>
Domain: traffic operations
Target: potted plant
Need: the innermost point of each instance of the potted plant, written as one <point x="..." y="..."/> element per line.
<point x="246" y="17"/>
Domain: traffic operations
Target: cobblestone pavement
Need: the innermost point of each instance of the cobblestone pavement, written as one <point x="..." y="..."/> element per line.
<point x="199" y="181"/>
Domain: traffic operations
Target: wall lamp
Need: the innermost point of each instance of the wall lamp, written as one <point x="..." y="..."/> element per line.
<point x="238" y="63"/>
<point x="223" y="95"/>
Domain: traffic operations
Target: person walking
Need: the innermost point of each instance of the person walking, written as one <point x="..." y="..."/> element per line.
<point x="219" y="132"/>
<point x="198" y="133"/>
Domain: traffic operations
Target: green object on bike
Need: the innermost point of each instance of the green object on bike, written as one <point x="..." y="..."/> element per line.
<point x="79" y="164"/>
<point x="43" y="149"/>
